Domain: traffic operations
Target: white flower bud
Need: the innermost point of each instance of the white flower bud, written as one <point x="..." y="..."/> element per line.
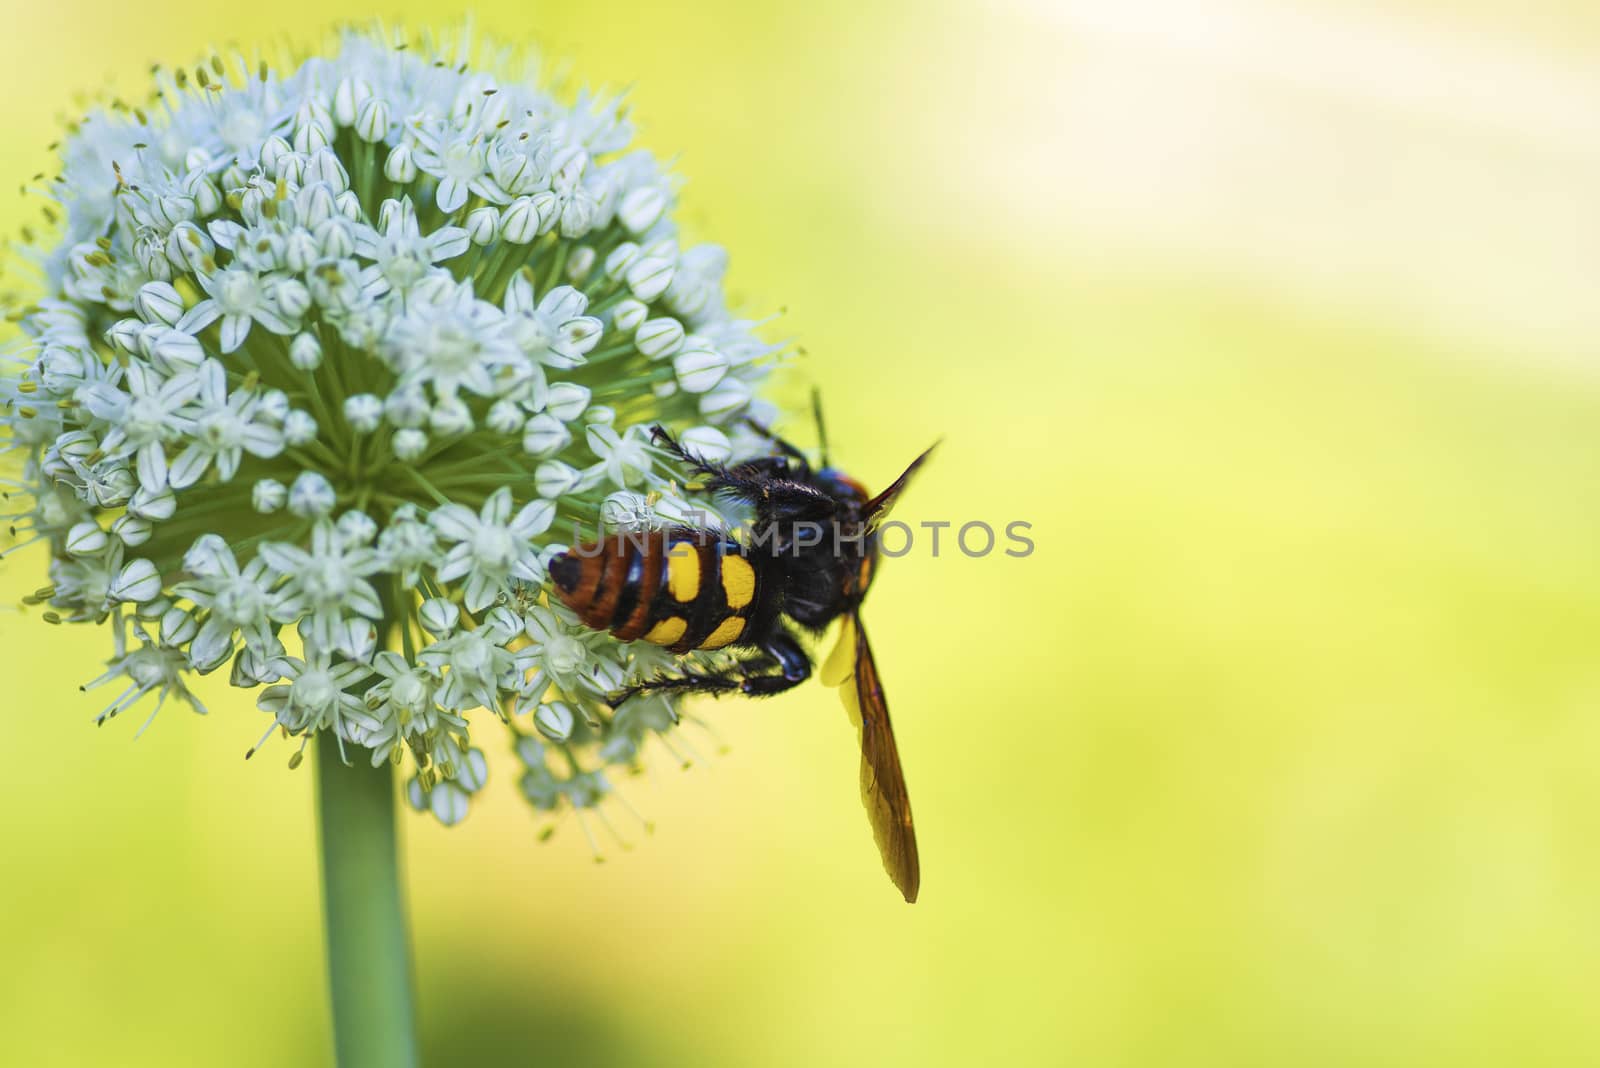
<point x="273" y="152"/>
<point x="555" y="721"/>
<point x="576" y="215"/>
<point x="620" y="259"/>
<point x="364" y="412"/>
<point x="138" y="581"/>
<point x="407" y="407"/>
<point x="372" y="123"/>
<point x="293" y="298"/>
<point x="299" y="428"/>
<point x="472" y="774"/>
<point x="728" y="397"/>
<point x="629" y="314"/>
<point x="152" y="260"/>
<point x="520" y="224"/>
<point x="178" y="627"/>
<point x="545" y="435"/>
<point x="568" y="400"/>
<point x="300" y="250"/>
<point x="438" y="616"/>
<point x="649" y="277"/>
<point x="268" y="495"/>
<point x="483" y="225"/>
<point x="336" y="238"/>
<point x="312" y="136"/>
<point x="547" y="205"/>
<point x="656" y="338"/>
<point x="641" y="208"/>
<point x="699" y="367"/>
<point x="124" y="334"/>
<point x="311" y="495"/>
<point x="250" y="668"/>
<point x="505" y="417"/>
<point x="356" y="639"/>
<point x="177" y="351"/>
<point x="324" y="166"/>
<point x="207" y="556"/>
<point x="158" y="302"/>
<point x="349" y="205"/>
<point x="553" y="478"/>
<point x="356" y="528"/>
<point x="448" y="803"/>
<point x="132" y="530"/>
<point x="400" y="168"/>
<point x="207" y="197"/>
<point x="85" y="539"/>
<point x="305" y="352"/>
<point x="408" y="443"/>
<point x="273" y="405"/>
<point x="316" y="204"/>
<point x="190" y="248"/>
<point x="156" y="507"/>
<point x="450" y="418"/>
<point x="707" y="442"/>
<point x="348" y="97"/>
<point x="581" y="263"/>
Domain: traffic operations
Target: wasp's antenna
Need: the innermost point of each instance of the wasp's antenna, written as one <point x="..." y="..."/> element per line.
<point x="822" y="428"/>
<point x="878" y="507"/>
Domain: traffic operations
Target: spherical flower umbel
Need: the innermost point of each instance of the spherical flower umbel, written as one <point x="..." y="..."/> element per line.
<point x="319" y="366"/>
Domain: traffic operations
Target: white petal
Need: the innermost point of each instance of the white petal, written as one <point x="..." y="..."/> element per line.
<point x="452" y="194"/>
<point x="534" y="519"/>
<point x="497" y="509"/>
<point x="454" y="521"/>
<point x="212" y="645"/>
<point x="447" y="243"/>
<point x="263" y="441"/>
<point x="363" y="600"/>
<point x="563" y="303"/>
<point x="284" y="558"/>
<point x="199" y="317"/>
<point x="456" y="564"/>
<point x="152" y="467"/>
<point x="188" y="467"/>
<point x="235" y="328"/>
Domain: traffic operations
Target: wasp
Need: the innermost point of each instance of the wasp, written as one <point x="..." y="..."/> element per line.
<point x="809" y="560"/>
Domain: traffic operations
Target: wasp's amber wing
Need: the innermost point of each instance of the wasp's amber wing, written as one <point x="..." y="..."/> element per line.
<point x="883" y="786"/>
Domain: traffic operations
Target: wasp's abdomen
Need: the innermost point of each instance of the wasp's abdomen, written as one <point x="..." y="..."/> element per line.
<point x="683" y="589"/>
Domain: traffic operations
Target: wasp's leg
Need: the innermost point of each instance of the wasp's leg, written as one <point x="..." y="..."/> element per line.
<point x="794" y="667"/>
<point x="779" y="496"/>
<point x="687" y="683"/>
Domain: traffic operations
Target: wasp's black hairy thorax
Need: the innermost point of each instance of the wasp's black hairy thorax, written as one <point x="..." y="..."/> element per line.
<point x="811" y="528"/>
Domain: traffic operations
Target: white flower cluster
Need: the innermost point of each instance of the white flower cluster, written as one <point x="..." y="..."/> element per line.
<point x="327" y="363"/>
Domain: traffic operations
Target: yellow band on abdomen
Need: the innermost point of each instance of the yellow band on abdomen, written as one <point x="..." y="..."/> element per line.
<point x="727" y="631"/>
<point x="668" y="631"/>
<point x="738" y="581"/>
<point x="683" y="571"/>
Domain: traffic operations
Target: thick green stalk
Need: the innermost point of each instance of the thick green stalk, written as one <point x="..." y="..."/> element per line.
<point x="369" y="956"/>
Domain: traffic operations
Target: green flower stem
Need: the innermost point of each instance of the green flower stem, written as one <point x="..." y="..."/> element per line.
<point x="369" y="957"/>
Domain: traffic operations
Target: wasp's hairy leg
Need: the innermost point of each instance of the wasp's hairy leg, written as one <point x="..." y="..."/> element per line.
<point x="782" y="651"/>
<point x="776" y="495"/>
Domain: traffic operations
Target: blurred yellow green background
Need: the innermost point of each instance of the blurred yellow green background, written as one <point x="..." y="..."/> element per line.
<point x="1278" y="321"/>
